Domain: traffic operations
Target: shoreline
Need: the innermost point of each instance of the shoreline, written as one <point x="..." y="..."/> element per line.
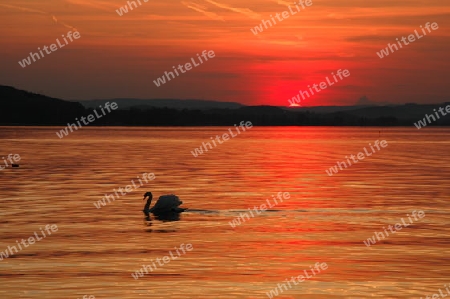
<point x="214" y="126"/>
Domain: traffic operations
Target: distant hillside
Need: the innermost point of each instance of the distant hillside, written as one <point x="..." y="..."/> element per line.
<point x="19" y="107"/>
<point x="326" y="109"/>
<point x="173" y="104"/>
<point x="407" y="111"/>
<point x="22" y="107"/>
<point x="390" y="114"/>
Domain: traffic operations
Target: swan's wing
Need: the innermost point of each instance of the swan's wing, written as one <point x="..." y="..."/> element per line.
<point x="167" y="202"/>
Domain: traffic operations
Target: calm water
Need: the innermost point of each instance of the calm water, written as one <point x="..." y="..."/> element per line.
<point x="95" y="251"/>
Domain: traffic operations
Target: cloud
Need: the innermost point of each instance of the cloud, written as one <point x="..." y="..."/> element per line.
<point x="202" y="9"/>
<point x="39" y="12"/>
<point x="345" y="54"/>
<point x="248" y="12"/>
<point x="281" y="2"/>
<point x="104" y="6"/>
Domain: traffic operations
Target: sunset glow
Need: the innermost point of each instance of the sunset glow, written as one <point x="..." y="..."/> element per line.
<point x="119" y="56"/>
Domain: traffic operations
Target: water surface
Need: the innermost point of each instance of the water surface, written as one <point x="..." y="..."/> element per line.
<point x="326" y="219"/>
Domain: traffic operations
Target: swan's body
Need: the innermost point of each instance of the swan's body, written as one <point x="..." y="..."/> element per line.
<point x="166" y="204"/>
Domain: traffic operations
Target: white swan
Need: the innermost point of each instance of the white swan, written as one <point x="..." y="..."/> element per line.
<point x="166" y="204"/>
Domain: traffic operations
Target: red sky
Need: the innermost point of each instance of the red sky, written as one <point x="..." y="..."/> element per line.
<point x="120" y="56"/>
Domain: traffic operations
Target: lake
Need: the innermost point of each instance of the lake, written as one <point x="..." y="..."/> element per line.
<point x="326" y="219"/>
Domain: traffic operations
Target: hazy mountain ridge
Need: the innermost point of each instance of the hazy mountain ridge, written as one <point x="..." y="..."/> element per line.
<point x="161" y="103"/>
<point x="18" y="107"/>
<point x="22" y="107"/>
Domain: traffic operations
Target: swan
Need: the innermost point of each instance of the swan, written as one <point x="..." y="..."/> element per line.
<point x="166" y="204"/>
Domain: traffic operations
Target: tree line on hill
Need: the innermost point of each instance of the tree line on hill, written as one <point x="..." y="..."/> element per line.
<point x="23" y="108"/>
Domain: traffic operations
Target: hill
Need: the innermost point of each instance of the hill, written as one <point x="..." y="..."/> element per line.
<point x="18" y="107"/>
<point x="168" y="103"/>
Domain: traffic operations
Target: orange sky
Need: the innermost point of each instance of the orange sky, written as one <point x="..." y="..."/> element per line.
<point x="120" y="56"/>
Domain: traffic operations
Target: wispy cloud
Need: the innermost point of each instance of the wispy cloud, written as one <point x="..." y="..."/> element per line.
<point x="248" y="12"/>
<point x="100" y="5"/>
<point x="202" y="9"/>
<point x="39" y="12"/>
<point x="281" y="2"/>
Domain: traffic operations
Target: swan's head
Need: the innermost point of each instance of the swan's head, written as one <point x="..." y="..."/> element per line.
<point x="149" y="194"/>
